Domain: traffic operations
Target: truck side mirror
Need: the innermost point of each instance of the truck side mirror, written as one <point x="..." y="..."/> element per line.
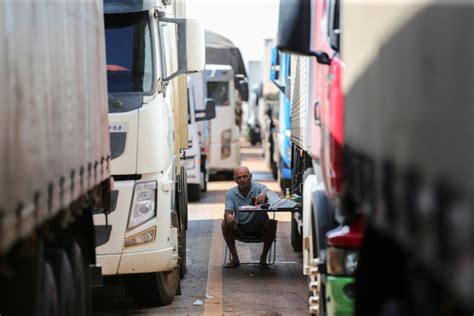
<point x="190" y="46"/>
<point x="207" y="114"/>
<point x="295" y="31"/>
<point x="275" y="65"/>
<point x="244" y="90"/>
<point x="275" y="69"/>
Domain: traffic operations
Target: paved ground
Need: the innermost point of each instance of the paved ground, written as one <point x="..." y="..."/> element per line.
<point x="243" y="291"/>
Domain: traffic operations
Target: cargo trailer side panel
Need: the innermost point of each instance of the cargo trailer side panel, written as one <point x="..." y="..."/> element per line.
<point x="54" y="141"/>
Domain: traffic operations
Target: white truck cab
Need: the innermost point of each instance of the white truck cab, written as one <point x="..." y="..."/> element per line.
<point x="147" y="48"/>
<point x="224" y="153"/>
<point x="194" y="158"/>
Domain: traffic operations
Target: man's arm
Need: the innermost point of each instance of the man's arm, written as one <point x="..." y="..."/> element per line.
<point x="229" y="212"/>
<point x="262" y="196"/>
<point x="229" y="203"/>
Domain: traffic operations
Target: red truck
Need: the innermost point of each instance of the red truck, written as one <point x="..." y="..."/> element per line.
<point x="395" y="103"/>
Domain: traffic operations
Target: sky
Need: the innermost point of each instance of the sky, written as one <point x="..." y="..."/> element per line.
<point x="245" y="22"/>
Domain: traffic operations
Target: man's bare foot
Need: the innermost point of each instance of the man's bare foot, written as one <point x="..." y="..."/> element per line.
<point x="232" y="265"/>
<point x="263" y="266"/>
<point x="263" y="263"/>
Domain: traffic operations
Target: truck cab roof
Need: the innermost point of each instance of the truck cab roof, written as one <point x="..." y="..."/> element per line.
<point x="219" y="72"/>
<point x="128" y="6"/>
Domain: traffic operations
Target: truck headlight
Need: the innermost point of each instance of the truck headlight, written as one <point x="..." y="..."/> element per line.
<point x="342" y="261"/>
<point x="144" y="203"/>
<point x="226" y="135"/>
<point x="144" y="237"/>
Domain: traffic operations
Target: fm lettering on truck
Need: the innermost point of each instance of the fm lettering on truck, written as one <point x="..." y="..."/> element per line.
<point x="118" y="137"/>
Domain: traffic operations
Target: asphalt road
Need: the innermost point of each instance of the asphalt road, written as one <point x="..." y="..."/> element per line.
<point x="210" y="289"/>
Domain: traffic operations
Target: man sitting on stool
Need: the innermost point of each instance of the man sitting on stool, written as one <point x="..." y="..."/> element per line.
<point x="244" y="224"/>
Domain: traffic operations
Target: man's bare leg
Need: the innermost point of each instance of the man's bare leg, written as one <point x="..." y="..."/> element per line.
<point x="269" y="231"/>
<point x="228" y="228"/>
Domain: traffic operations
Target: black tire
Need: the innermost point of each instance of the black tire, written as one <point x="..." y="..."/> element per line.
<point x="194" y="192"/>
<point x="204" y="172"/>
<point x="296" y="240"/>
<point x="182" y="250"/>
<point x="285" y="183"/>
<point x="48" y="296"/>
<point x="182" y="197"/>
<point x="183" y="226"/>
<point x="153" y="289"/>
<point x="178" y="290"/>
<point x="59" y="261"/>
<point x="81" y="278"/>
<point x="204" y="175"/>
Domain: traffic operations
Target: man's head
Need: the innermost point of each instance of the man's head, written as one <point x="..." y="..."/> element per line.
<point x="242" y="177"/>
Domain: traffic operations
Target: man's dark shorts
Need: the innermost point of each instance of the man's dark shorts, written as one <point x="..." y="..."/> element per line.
<point x="241" y="231"/>
<point x="249" y="232"/>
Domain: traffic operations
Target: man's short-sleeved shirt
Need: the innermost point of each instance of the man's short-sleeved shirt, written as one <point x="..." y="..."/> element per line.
<point x="250" y="221"/>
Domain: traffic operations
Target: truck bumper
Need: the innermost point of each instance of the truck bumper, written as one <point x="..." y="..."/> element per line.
<point x="340" y="294"/>
<point x="138" y="262"/>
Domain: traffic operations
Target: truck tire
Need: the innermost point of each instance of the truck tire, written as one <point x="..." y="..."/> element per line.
<point x="206" y="179"/>
<point x="179" y="222"/>
<point x="48" y="296"/>
<point x="182" y="250"/>
<point x="59" y="261"/>
<point x="285" y="183"/>
<point x="154" y="289"/>
<point x="81" y="278"/>
<point x="274" y="169"/>
<point x="296" y="240"/>
<point x="194" y="192"/>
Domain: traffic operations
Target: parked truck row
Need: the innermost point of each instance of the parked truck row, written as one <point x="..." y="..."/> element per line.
<point x="88" y="196"/>
<point x="385" y="174"/>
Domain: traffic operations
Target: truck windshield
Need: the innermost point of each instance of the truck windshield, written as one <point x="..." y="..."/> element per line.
<point x="129" y="52"/>
<point x="219" y="91"/>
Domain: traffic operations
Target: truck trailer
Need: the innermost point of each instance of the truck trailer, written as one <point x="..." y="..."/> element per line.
<point x="55" y="169"/>
<point x="268" y="109"/>
<point x="396" y="152"/>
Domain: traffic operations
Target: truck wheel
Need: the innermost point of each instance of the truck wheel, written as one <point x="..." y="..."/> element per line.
<point x="59" y="261"/>
<point x="296" y="241"/>
<point x="48" y="296"/>
<point x="274" y="168"/>
<point x="81" y="278"/>
<point x="205" y="177"/>
<point x="154" y="289"/>
<point x="194" y="192"/>
<point x="285" y="183"/>
<point x="182" y="249"/>
<point x="179" y="221"/>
